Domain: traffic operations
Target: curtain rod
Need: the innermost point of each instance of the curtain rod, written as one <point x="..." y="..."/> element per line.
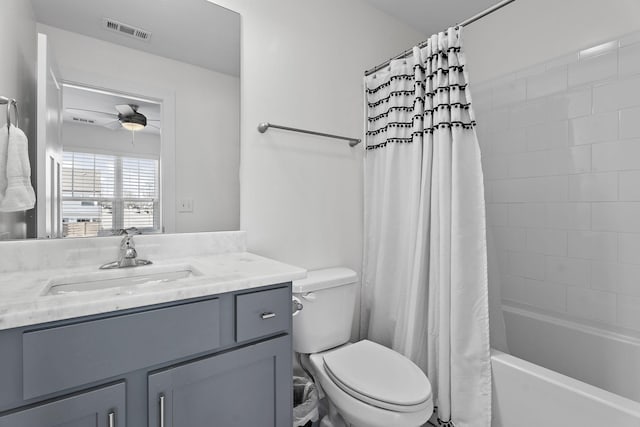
<point x="464" y="23"/>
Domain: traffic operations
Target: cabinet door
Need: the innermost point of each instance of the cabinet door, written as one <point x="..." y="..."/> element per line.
<point x="250" y="386"/>
<point x="104" y="407"/>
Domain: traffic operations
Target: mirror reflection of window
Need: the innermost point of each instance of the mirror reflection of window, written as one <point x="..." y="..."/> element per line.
<point x="102" y="193"/>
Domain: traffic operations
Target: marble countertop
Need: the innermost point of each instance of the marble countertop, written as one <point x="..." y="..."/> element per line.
<point x="23" y="299"/>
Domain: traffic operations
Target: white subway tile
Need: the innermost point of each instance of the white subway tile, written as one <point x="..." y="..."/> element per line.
<point x="527" y="215"/>
<point x="629" y="121"/>
<point x="553" y="188"/>
<point x="629" y="186"/>
<point x="495" y="120"/>
<point x="508" y="238"/>
<point x="495" y="166"/>
<point x="503" y="261"/>
<point x="481" y="99"/>
<point x="616" y="95"/>
<point x="548" y="136"/>
<point x="629" y="312"/>
<point x="593" y="69"/>
<point x="509" y="92"/>
<point x="528" y="114"/>
<point x="569" y="271"/>
<point x="497" y="214"/>
<point x="601" y="246"/>
<point x="509" y="141"/>
<point x="578" y="103"/>
<point x="629" y="248"/>
<point x="534" y="70"/>
<point x="488" y="191"/>
<point x="579" y="159"/>
<point x="614" y="277"/>
<point x="623" y="217"/>
<point x="595" y="128"/>
<point x="614" y="156"/>
<point x="594" y="187"/>
<point x="544" y="295"/>
<point x="511" y="287"/>
<point x="554" y="110"/>
<point x="598" y="50"/>
<point x="528" y="265"/>
<point x="594" y="305"/>
<point x="538" y="163"/>
<point x="547" y="83"/>
<point x="630" y="59"/>
<point x="568" y="216"/>
<point x="563" y="60"/>
<point x="547" y="242"/>
<point x="629" y="39"/>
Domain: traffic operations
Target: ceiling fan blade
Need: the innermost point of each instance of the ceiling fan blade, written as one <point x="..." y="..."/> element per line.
<point x="90" y="113"/>
<point x="114" y="125"/>
<point x="152" y="120"/>
<point x="125" y="109"/>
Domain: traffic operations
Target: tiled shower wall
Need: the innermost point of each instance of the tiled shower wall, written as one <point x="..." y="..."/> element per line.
<point x="561" y="157"/>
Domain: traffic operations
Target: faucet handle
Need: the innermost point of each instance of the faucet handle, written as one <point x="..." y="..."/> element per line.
<point x="131" y="231"/>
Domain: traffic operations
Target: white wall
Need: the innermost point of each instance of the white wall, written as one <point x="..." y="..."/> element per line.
<point x="302" y="66"/>
<point x="528" y="32"/>
<point x="207" y="122"/>
<point x="18" y="80"/>
<point x="98" y="139"/>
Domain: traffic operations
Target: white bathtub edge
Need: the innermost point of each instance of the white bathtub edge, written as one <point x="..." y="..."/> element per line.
<point x="589" y="392"/>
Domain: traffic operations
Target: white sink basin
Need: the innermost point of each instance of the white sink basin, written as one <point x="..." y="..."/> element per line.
<point x="116" y="278"/>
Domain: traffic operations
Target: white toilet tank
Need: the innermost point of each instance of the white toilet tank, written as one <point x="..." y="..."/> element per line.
<point x="329" y="298"/>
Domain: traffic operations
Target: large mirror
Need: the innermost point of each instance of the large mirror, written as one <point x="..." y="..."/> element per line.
<point x="131" y="110"/>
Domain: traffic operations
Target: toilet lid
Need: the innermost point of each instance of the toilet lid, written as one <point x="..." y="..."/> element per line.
<point x="379" y="376"/>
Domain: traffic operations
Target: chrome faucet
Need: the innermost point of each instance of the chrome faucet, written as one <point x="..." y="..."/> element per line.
<point x="128" y="254"/>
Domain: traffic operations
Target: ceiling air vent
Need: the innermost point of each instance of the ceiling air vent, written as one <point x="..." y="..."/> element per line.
<point x="125" y="29"/>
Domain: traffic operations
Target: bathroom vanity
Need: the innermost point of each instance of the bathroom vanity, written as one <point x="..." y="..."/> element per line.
<point x="210" y="350"/>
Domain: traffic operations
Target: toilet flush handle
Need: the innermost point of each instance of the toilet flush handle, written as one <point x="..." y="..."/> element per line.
<point x="296" y="306"/>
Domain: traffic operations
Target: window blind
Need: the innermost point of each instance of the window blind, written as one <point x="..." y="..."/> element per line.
<point x="102" y="193"/>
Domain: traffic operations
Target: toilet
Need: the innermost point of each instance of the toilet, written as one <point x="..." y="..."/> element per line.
<point x="365" y="383"/>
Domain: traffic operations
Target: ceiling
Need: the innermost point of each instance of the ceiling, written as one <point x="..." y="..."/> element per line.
<point x="96" y="107"/>
<point x="432" y="16"/>
<point x="197" y="32"/>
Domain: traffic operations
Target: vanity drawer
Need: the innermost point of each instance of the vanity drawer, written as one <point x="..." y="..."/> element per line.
<point x="59" y="358"/>
<point x="262" y="313"/>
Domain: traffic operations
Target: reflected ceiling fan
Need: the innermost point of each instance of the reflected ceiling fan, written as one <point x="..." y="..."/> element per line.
<point x="127" y="117"/>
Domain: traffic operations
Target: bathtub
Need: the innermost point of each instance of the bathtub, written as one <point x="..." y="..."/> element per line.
<point x="528" y="395"/>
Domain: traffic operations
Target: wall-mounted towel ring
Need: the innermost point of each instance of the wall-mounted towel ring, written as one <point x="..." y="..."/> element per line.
<point x="10" y="102"/>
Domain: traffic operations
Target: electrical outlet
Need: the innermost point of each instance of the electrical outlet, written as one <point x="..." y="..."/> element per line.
<point x="185" y="205"/>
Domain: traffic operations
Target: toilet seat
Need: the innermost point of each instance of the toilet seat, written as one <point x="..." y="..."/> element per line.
<point x="378" y="376"/>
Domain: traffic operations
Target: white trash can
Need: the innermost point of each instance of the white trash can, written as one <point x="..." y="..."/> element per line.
<point x="305" y="402"/>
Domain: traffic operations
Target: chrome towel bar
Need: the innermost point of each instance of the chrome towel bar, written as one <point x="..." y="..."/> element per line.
<point x="262" y="128"/>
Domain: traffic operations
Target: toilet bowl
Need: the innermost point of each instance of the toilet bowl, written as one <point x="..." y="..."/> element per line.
<point x="366" y="384"/>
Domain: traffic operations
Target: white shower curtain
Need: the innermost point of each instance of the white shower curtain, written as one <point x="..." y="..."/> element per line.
<point x="425" y="263"/>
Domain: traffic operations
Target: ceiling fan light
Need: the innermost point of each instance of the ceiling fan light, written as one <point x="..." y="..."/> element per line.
<point x="132" y="126"/>
<point x="133" y="122"/>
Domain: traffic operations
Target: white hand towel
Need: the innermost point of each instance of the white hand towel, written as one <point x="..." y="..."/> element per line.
<point x="4" y="144"/>
<point x="19" y="195"/>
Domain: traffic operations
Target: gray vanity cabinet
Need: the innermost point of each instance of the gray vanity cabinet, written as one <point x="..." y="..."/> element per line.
<point x="104" y="407"/>
<point x="222" y="360"/>
<point x="240" y="388"/>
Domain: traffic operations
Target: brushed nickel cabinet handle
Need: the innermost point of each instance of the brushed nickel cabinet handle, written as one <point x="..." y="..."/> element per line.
<point x="111" y="419"/>
<point x="269" y="315"/>
<point x="162" y="410"/>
